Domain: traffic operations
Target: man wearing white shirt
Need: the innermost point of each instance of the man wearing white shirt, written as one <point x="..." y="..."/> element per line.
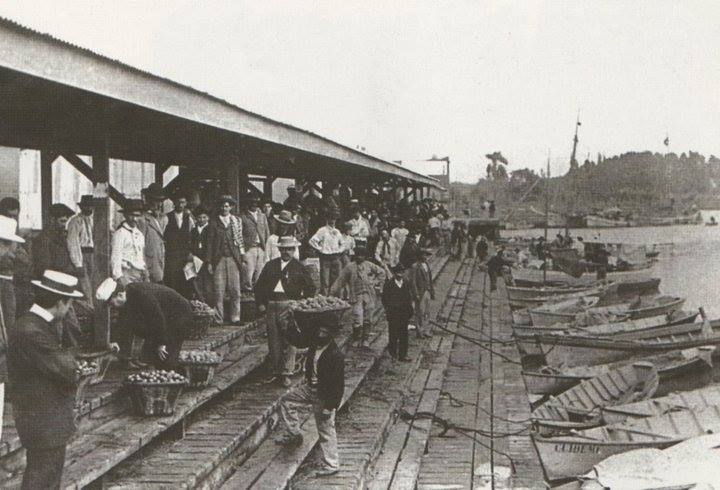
<point x="282" y="279"/>
<point x="127" y="258"/>
<point x="328" y="242"/>
<point x="360" y="228"/>
<point x="81" y="245"/>
<point x="400" y="233"/>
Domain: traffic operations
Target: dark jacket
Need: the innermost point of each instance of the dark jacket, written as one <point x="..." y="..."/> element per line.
<point x="156" y="313"/>
<point x="420" y="280"/>
<point x="496" y="263"/>
<point x="330" y="375"/>
<point x="199" y="242"/>
<point x="177" y="241"/>
<point x="218" y="235"/>
<point x="43" y="382"/>
<point x="397" y="301"/>
<point x="251" y="227"/>
<point x="296" y="281"/>
<point x="410" y="251"/>
<point x="50" y="251"/>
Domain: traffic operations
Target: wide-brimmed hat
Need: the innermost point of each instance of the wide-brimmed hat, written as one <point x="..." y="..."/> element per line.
<point x="226" y="198"/>
<point x="86" y="200"/>
<point x="8" y="228"/>
<point x="154" y="192"/>
<point x="106" y="289"/>
<point x="285" y="217"/>
<point x="287" y="242"/>
<point x="133" y="206"/>
<point x="60" y="210"/>
<point x="59" y="283"/>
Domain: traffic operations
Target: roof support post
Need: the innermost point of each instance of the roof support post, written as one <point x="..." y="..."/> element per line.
<point x="415" y="194"/>
<point x="160" y="169"/>
<point x="102" y="220"/>
<point x="268" y="187"/>
<point x="231" y="179"/>
<point x="47" y="157"/>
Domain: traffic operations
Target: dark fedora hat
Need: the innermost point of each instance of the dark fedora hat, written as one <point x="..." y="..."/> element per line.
<point x="60" y="210"/>
<point x="133" y="206"/>
<point x="154" y="192"/>
<point x="86" y="200"/>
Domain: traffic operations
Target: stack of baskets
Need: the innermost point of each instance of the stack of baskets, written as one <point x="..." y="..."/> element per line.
<point x="199" y="366"/>
<point x="155" y="392"/>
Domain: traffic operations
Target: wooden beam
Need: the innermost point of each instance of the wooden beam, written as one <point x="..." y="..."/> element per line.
<point x="160" y="169"/>
<point x="102" y="220"/>
<point x="47" y="157"/>
<point x="92" y="175"/>
<point x="268" y="187"/>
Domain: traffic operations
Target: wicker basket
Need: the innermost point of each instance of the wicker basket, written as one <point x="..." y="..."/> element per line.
<point x="199" y="374"/>
<point x="309" y="320"/>
<point x="83" y="383"/>
<point x="200" y="323"/>
<point x="103" y="359"/>
<point x="155" y="398"/>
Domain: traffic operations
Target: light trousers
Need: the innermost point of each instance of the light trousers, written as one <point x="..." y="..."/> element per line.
<point x="306" y="395"/>
<point x="253" y="263"/>
<point x="280" y="353"/>
<point x="329" y="272"/>
<point x="421" y="312"/>
<point x="227" y="278"/>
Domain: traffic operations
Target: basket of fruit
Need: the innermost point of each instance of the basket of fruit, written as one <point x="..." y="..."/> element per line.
<point x="99" y="358"/>
<point x="203" y="317"/>
<point x="87" y="371"/>
<point x="318" y="311"/>
<point x="155" y="392"/>
<point x="199" y="366"/>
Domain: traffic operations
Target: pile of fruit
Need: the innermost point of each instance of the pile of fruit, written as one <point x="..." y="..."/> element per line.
<point x="200" y="357"/>
<point x="157" y="377"/>
<point x="200" y="308"/>
<point x="319" y="303"/>
<point x="87" y="368"/>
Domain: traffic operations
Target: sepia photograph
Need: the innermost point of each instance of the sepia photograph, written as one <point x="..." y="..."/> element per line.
<point x="360" y="244"/>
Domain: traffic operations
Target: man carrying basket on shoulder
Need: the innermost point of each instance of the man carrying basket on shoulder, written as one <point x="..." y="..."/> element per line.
<point x="282" y="279"/>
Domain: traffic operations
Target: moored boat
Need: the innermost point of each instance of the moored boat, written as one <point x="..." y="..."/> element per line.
<point x="552" y="381"/>
<point x="579" y="407"/>
<point x="538" y="278"/>
<point x="569" y="456"/>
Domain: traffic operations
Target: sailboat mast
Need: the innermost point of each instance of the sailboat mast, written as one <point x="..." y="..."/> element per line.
<point x="547" y="215"/>
<point x="573" y="166"/>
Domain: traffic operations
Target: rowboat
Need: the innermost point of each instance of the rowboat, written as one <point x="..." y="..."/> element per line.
<point x="622" y="329"/>
<point x="703" y="397"/>
<point x="574" y="350"/>
<point x="538" y="278"/>
<point x="569" y="456"/>
<point x="579" y="407"/>
<point x="567" y="311"/>
<point x="519" y="293"/>
<point x="552" y="381"/>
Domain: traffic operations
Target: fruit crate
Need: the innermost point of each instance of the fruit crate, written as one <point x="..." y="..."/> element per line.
<point x="102" y="358"/>
<point x="199" y="372"/>
<point x="155" y="398"/>
<point x="200" y="323"/>
<point x="307" y="320"/>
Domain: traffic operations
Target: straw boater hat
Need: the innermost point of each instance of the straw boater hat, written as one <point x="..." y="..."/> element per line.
<point x="7" y="230"/>
<point x="285" y="217"/>
<point x="59" y="283"/>
<point x="287" y="242"/>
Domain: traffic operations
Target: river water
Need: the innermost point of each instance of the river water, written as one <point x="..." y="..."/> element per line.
<point x="689" y="255"/>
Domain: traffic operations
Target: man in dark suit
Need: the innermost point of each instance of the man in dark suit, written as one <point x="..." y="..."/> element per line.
<point x="411" y="248"/>
<point x="156" y="313"/>
<point x="43" y="380"/>
<point x="398" y="303"/>
<point x="422" y="290"/>
<point x="282" y="280"/>
<point x="202" y="284"/>
<point x="177" y="245"/>
<point x="323" y="389"/>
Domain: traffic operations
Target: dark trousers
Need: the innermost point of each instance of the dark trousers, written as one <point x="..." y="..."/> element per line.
<point x="397" y="337"/>
<point x="44" y="468"/>
<point x="493" y="280"/>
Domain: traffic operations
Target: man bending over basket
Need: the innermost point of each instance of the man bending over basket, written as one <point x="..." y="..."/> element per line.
<point x="323" y="389"/>
<point x="154" y="312"/>
<point x="282" y="279"/>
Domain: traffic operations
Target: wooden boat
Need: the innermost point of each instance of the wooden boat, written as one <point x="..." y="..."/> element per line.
<point x="579" y="407"/>
<point x="594" y="221"/>
<point x="552" y="381"/>
<point x="519" y="293"/>
<point x="534" y="278"/>
<point x="573" y="455"/>
<point x="622" y="329"/>
<point x="703" y="397"/>
<point x="574" y="350"/>
<point x="568" y="311"/>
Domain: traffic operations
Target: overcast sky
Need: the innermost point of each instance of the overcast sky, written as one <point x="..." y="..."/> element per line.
<point x="408" y="80"/>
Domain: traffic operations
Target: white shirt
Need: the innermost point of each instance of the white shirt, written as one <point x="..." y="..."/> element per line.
<point x="80" y="234"/>
<point x="279" y="287"/>
<point x="400" y="234"/>
<point x="179" y="218"/>
<point x="42" y="313"/>
<point x="360" y="228"/>
<point x="225" y="220"/>
<point x="327" y="240"/>
<point x="128" y="250"/>
<point x="434" y="222"/>
<point x="399" y="283"/>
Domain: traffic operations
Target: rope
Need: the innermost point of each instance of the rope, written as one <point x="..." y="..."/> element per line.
<point x="457" y="403"/>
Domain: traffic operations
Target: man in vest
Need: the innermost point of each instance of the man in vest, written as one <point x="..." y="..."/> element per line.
<point x="255" y="235"/>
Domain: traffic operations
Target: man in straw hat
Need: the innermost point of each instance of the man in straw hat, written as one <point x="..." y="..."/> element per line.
<point x="44" y="379"/>
<point x="284" y="226"/>
<point x="283" y="279"/>
<point x="323" y="390"/>
<point x="8" y="239"/>
<point x="81" y="245"/>
<point x="225" y="255"/>
<point x="154" y="312"/>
